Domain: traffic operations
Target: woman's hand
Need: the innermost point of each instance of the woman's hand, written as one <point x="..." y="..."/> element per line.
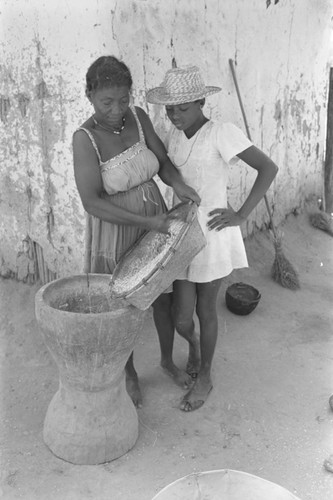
<point x="160" y="223"/>
<point x="185" y="192"/>
<point x="224" y="217"/>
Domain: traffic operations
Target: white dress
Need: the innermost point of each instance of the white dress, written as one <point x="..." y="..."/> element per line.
<point x="203" y="162"/>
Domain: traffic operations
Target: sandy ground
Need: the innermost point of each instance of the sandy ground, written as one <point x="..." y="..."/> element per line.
<point x="268" y="414"/>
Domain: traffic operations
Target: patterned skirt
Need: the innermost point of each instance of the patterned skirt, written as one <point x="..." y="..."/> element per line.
<point x="106" y="242"/>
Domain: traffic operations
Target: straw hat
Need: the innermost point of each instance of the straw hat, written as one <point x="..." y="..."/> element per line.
<point x="181" y="85"/>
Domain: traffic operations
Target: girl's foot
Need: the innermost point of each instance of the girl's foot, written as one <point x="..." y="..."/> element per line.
<point x="197" y="395"/>
<point x="133" y="389"/>
<point x="181" y="378"/>
<point x="193" y="362"/>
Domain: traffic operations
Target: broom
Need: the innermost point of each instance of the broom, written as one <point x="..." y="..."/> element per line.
<point x="282" y="270"/>
<point x="322" y="220"/>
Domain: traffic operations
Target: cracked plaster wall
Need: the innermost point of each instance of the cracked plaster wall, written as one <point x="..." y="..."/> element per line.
<point x="282" y="55"/>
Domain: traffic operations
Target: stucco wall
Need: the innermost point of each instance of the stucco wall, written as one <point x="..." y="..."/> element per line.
<point x="282" y="51"/>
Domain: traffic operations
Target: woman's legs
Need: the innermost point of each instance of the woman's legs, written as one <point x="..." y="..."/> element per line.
<point x="165" y="328"/>
<point x="206" y="296"/>
<point x="132" y="382"/>
<point x="162" y="313"/>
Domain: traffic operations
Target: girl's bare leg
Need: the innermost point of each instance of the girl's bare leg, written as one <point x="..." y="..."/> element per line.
<point x="165" y="329"/>
<point x="184" y="299"/>
<point x="206" y="311"/>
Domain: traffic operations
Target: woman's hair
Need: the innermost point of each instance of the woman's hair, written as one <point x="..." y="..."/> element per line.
<point x="108" y="71"/>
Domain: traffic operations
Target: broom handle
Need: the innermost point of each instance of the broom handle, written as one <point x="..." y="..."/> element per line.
<point x="231" y="63"/>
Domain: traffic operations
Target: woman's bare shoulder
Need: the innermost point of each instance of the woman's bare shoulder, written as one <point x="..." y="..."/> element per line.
<point x="80" y="134"/>
<point x="87" y="125"/>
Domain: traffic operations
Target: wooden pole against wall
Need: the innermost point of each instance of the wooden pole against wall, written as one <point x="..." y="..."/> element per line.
<point x="328" y="171"/>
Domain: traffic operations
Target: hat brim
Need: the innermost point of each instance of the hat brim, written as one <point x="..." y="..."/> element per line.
<point x="158" y="95"/>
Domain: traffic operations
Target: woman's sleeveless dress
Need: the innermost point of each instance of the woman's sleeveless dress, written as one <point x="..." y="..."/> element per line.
<point x="128" y="183"/>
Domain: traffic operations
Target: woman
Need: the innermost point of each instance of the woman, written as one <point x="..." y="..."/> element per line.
<point x="116" y="155"/>
<point x="201" y="150"/>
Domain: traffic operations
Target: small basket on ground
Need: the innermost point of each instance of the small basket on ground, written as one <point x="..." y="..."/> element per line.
<point x="150" y="266"/>
<point x="241" y="298"/>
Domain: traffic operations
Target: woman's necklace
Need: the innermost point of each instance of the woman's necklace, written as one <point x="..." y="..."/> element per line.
<point x="193" y="143"/>
<point x="109" y="129"/>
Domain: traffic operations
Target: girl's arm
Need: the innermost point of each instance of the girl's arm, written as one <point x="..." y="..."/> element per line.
<point x="168" y="172"/>
<point x="89" y="184"/>
<point x="267" y="170"/>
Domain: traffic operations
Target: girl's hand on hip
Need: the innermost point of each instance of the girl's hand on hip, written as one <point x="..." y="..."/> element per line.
<point x="223" y="217"/>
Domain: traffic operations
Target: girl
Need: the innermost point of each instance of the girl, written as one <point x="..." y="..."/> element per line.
<point x="201" y="150"/>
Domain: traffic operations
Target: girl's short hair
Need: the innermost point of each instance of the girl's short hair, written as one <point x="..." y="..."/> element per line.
<point x="108" y="71"/>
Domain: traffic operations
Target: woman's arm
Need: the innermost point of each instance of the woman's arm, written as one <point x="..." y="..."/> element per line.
<point x="267" y="171"/>
<point x="89" y="184"/>
<point x="167" y="172"/>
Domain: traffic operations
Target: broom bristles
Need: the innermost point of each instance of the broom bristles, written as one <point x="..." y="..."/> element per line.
<point x="321" y="220"/>
<point x="282" y="270"/>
